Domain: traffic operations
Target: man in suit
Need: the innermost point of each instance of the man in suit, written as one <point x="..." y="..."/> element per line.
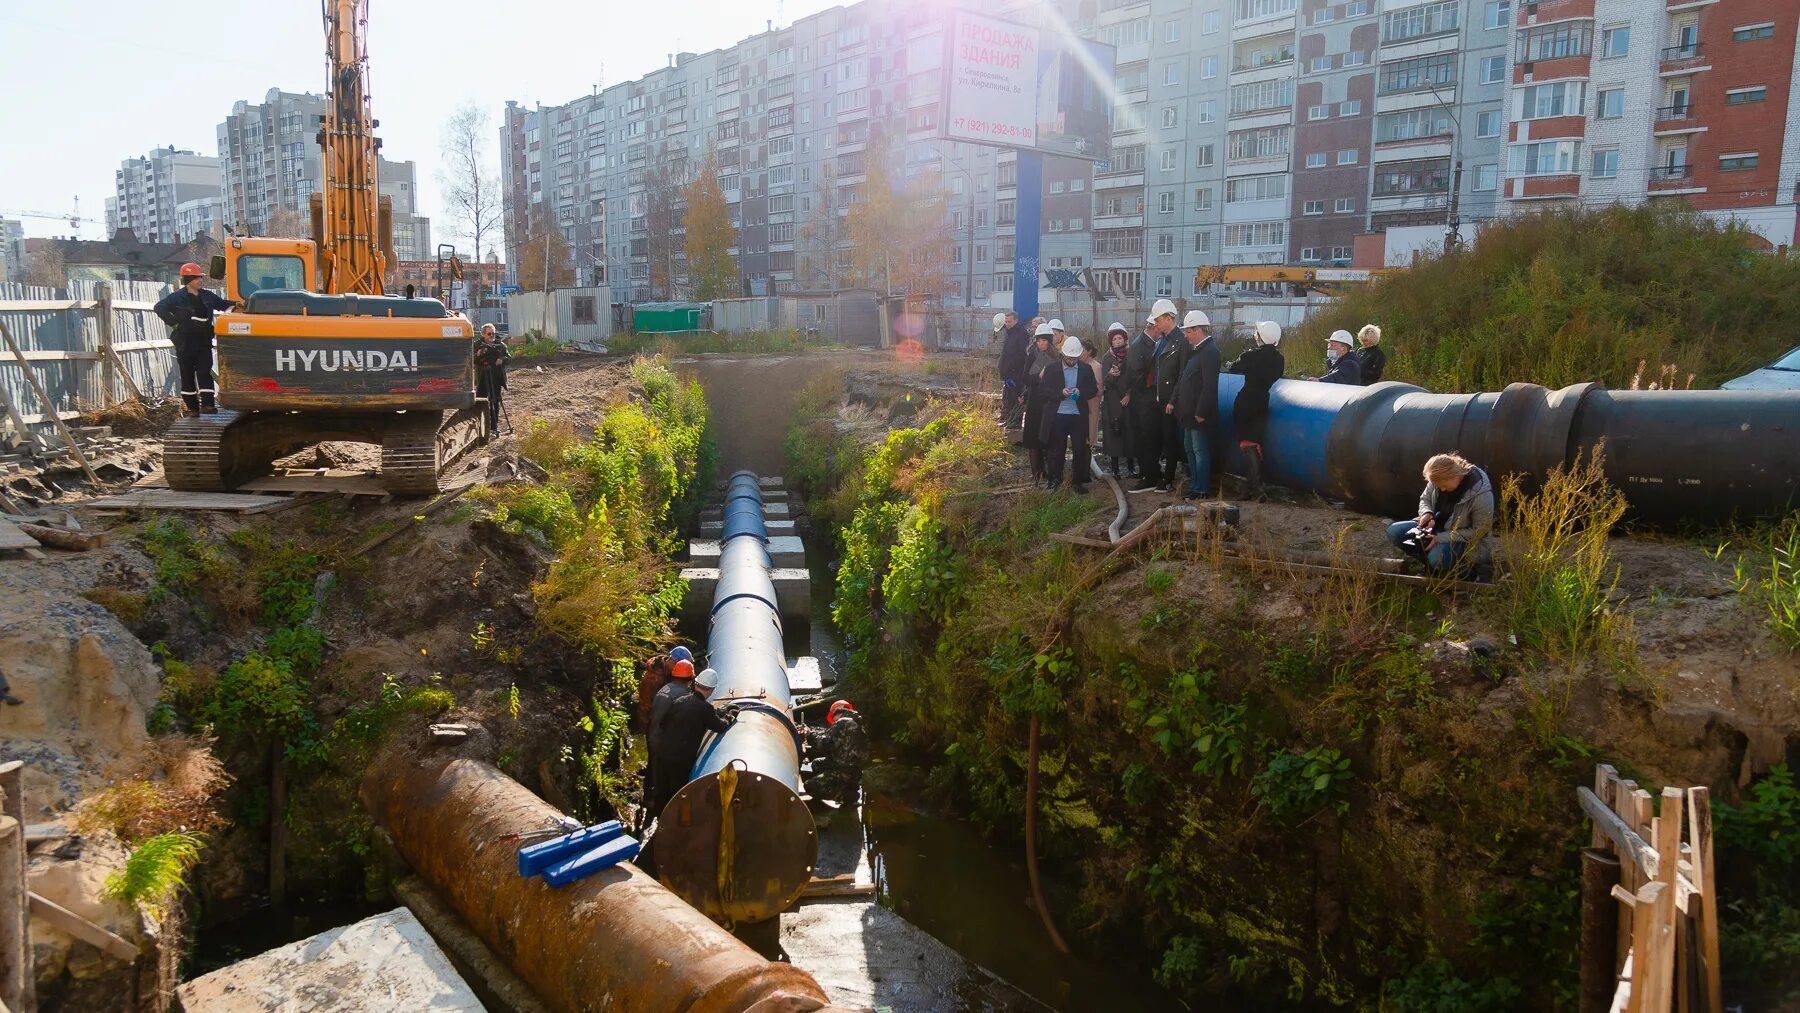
<point x="1197" y="402"/>
<point x="1066" y="389"/>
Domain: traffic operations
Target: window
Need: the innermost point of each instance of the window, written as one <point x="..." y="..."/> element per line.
<point x="1418" y="22"/>
<point x="1564" y="98"/>
<point x="1264" y="142"/>
<point x="1543" y="158"/>
<point x="1345" y="205"/>
<point x="1319" y="64"/>
<point x="1419" y="175"/>
<point x="1419" y="74"/>
<point x="1357" y="9"/>
<point x="1165" y="203"/>
<point x="1309" y="253"/>
<point x="1209" y="23"/>
<point x="1355" y="58"/>
<point x="1207" y="111"/>
<point x="1203" y="156"/>
<point x="1554" y="42"/>
<point x="581" y="309"/>
<point x="1171" y="31"/>
<point x="1169" y="116"/>
<point x="1056" y="225"/>
<point x="1351" y="108"/>
<point x="1313" y="207"/>
<point x="1074" y="225"/>
<point x="1250" y="188"/>
<point x="1615" y="41"/>
<point x="1606" y="164"/>
<point x="1340" y="253"/>
<point x="1172" y="74"/>
<point x="1487" y="177"/>
<point x="1496" y="14"/>
<point x="1316" y="160"/>
<point x="1487" y="124"/>
<point x="1260" y="95"/>
<point x="1322" y="15"/>
<point x="1203" y="198"/>
<point x="1747" y="160"/>
<point x="1165" y="245"/>
<point x="1256" y="234"/>
<point x="1318" y="112"/>
<point x="1127" y="33"/>
<point x="1075" y="185"/>
<point x="1610" y="104"/>
<point x="1493" y="69"/>
<point x="1741" y="96"/>
<point x="1347" y="156"/>
<point x="1749" y="33"/>
<point x="1209" y="69"/>
<point x="1165" y="284"/>
<point x="1202" y="242"/>
<point x="1167" y="160"/>
<point x="1250" y="10"/>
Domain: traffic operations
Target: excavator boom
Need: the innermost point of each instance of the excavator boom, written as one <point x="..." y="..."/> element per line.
<point x="351" y="255"/>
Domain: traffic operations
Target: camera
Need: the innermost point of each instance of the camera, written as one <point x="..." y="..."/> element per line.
<point x="1416" y="542"/>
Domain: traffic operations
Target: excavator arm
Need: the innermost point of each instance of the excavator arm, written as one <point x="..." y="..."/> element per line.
<point x="348" y="219"/>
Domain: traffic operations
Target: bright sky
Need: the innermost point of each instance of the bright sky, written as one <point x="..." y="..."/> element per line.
<point x="89" y="83"/>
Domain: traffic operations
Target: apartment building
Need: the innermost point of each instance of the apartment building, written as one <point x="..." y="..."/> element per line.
<point x="269" y="159"/>
<point x="149" y="189"/>
<point x="12" y="249"/>
<point x="1620" y="100"/>
<point x="1244" y="132"/>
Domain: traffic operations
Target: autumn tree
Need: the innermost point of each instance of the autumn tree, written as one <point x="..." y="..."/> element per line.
<point x="472" y="196"/>
<point x="286" y="223"/>
<point x="663" y="209"/>
<point x="899" y="241"/>
<point x="544" y="258"/>
<point x="712" y="271"/>
<point x="45" y="266"/>
<point x="820" y="235"/>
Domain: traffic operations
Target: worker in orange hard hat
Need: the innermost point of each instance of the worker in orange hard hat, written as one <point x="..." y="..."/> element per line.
<point x="188" y="312"/>
<point x="837" y="753"/>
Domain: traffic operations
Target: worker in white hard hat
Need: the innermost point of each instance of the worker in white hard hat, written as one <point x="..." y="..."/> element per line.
<point x="1115" y="393"/>
<point x="1260" y="367"/>
<point x="1066" y="388"/>
<point x="1197" y="402"/>
<point x="1061" y="331"/>
<point x="1015" y="356"/>
<point x="1152" y="367"/>
<point x="1370" y="359"/>
<point x="1342" y="367"/>
<point x="676" y="733"/>
<point x="999" y="322"/>
<point x="1043" y="358"/>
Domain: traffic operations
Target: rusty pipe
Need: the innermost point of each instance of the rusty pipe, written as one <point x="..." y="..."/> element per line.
<point x="616" y="941"/>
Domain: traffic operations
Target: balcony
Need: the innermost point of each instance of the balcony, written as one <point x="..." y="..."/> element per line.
<point x="1684" y="59"/>
<point x="1670" y="173"/>
<point x="1676" y="120"/>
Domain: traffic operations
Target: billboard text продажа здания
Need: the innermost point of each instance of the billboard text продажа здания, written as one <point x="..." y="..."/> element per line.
<point x="1020" y="86"/>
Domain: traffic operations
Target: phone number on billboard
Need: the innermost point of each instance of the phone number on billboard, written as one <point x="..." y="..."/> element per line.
<point x="990" y="129"/>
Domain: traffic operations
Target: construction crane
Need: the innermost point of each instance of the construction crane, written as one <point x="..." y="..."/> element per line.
<point x="74" y="218"/>
<point x="317" y="351"/>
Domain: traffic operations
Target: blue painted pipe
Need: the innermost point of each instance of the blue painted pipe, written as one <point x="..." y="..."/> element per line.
<point x="1679" y="456"/>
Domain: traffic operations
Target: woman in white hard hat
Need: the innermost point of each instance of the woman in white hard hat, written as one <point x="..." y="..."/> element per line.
<point x="1031" y="431"/>
<point x="1343" y="366"/>
<point x="1260" y="367"/>
<point x="1068" y="388"/>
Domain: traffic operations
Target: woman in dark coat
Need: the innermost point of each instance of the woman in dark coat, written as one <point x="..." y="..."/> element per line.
<point x="1260" y="367"/>
<point x="1370" y="358"/>
<point x="1115" y="439"/>
<point x="1032" y="431"/>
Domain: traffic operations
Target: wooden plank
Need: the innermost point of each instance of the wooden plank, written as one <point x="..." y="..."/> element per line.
<point x="1707" y="918"/>
<point x="26" y="434"/>
<point x="57" y="355"/>
<point x="1630" y="846"/>
<point x="44" y="305"/>
<point x="157" y="479"/>
<point x="12" y="538"/>
<point x="348" y="485"/>
<point x="49" y="405"/>
<point x="440" y="503"/>
<point x="103" y="320"/>
<point x="170" y="499"/>
<point x="68" y="921"/>
<point x="1604" y="776"/>
<point x="1653" y="928"/>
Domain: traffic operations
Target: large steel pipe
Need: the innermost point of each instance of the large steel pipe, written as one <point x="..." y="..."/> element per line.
<point x="615" y="941"/>
<point x="1677" y="455"/>
<point x="737" y="842"/>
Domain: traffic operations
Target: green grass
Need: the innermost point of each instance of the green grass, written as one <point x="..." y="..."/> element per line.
<point x="1769" y="572"/>
<point x="155" y="871"/>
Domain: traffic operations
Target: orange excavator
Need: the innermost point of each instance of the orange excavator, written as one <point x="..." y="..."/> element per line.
<point x="318" y="351"/>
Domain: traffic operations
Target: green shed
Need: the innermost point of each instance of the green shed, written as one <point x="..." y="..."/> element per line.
<point x="666" y="317"/>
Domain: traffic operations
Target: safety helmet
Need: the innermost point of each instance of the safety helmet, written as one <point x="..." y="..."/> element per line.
<point x="838" y="710"/>
<point x="1195" y="318"/>
<point x="1071" y="348"/>
<point x="707" y="679"/>
<point x="999" y="321"/>
<point x="192" y="270"/>
<point x="683" y="670"/>
<point x="682" y="654"/>
<point x="1116" y="328"/>
<point x="1162" y="307"/>
<point x="1268" y="332"/>
<point x="1044" y="331"/>
<point x="1056" y="325"/>
<point x="1340" y="337"/>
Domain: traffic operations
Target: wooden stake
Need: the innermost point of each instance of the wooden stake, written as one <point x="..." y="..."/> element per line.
<point x="1653" y="946"/>
<point x="49" y="406"/>
<point x="109" y="357"/>
<point x="1599" y="929"/>
<point x="1707" y="923"/>
<point x="1666" y="831"/>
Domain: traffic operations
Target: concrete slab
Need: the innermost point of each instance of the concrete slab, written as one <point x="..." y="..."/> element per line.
<point x="377" y="965"/>
<point x="793" y="593"/>
<point x="784" y="551"/>
<point x="716" y="528"/>
<point x="804" y="676"/>
<point x="773" y="511"/>
<point x="866" y="956"/>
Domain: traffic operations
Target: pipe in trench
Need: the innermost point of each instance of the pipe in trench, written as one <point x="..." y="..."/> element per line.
<point x="616" y="941"/>
<point x="737" y="842"/>
<point x="1677" y="455"/>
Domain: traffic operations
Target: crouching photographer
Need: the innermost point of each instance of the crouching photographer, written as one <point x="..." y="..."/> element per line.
<point x="1456" y="515"/>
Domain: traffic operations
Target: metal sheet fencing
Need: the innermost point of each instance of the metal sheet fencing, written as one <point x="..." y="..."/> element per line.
<point x="62" y="332"/>
<point x="745" y="316"/>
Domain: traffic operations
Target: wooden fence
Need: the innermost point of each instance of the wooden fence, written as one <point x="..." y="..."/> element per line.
<point x="89" y="345"/>
<point x="1649" y="904"/>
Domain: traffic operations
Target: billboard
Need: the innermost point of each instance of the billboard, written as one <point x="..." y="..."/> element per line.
<point x="1021" y="86"/>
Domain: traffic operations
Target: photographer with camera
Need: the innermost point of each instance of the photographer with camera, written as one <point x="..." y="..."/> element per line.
<point x="490" y="372"/>
<point x="1456" y="514"/>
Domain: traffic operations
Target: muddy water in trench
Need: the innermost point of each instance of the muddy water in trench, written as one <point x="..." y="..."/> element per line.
<point x="939" y="873"/>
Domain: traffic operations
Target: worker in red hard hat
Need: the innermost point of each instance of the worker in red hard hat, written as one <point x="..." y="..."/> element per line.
<point x="837" y="753"/>
<point x="843" y="707"/>
<point x="188" y="312"/>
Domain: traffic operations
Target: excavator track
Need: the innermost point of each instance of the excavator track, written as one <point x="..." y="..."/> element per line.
<point x="195" y="453"/>
<point x="419" y="445"/>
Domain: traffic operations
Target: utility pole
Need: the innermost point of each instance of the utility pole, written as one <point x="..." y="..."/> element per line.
<point x="969" y="261"/>
<point x="1453" y="219"/>
<point x="544" y="309"/>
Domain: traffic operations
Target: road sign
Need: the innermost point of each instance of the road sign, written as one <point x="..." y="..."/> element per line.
<point x="510" y="289"/>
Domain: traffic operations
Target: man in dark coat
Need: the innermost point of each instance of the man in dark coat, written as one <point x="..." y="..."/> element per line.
<point x="683" y="717"/>
<point x="1032" y="428"/>
<point x="1140" y="406"/>
<point x="491" y="354"/>
<point x="1015" y="353"/>
<point x="1065" y="389"/>
<point x="1171" y="356"/>
<point x="188" y="312"/>
<point x="1260" y="367"/>
<point x="1197" y="402"/>
<point x="1344" y="367"/>
<point x="1115" y="389"/>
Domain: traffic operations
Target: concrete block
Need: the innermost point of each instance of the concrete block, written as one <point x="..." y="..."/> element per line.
<point x="804" y="676"/>
<point x="771" y="512"/>
<point x="387" y="962"/>
<point x="784" y="551"/>
<point x="716" y="528"/>
<point x="793" y="595"/>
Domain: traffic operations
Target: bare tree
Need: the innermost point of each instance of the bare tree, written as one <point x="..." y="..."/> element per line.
<point x="47" y="267"/>
<point x="664" y="209"/>
<point x="820" y="236"/>
<point x="286" y="223"/>
<point x="472" y="194"/>
<point x="544" y="258"/>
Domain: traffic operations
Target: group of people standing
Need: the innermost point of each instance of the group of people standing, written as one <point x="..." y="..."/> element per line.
<point x="1149" y="404"/>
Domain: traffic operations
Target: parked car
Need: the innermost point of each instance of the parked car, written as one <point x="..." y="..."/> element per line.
<point x="1782" y="374"/>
